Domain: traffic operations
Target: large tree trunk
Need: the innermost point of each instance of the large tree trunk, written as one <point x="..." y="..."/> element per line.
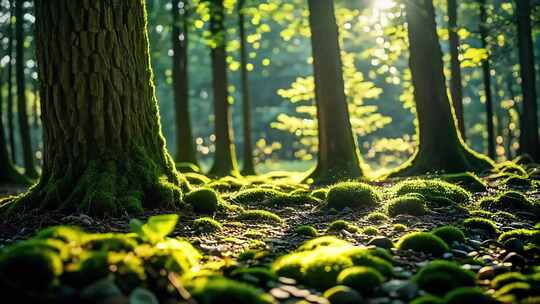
<point x="456" y="87"/>
<point x="104" y="152"/>
<point x="530" y="143"/>
<point x="10" y="101"/>
<point x="185" y="146"/>
<point x="225" y="153"/>
<point x="486" y="71"/>
<point x="441" y="149"/>
<point x="22" y="113"/>
<point x="247" y="157"/>
<point x="338" y="157"/>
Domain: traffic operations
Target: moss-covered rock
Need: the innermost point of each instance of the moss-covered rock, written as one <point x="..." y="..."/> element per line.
<point x="370" y="230"/>
<point x="259" y="276"/>
<point x="306" y="230"/>
<point x="485" y="225"/>
<point x="353" y="195"/>
<point x="207" y="224"/>
<point x="399" y="227"/>
<point x="342" y="295"/>
<point x="260" y="216"/>
<point x="340" y="225"/>
<point x="377" y="217"/>
<point x="440" y="277"/>
<point x="468" y="295"/>
<point x="525" y="235"/>
<point x="203" y="200"/>
<point x="407" y="204"/>
<point x="423" y="242"/>
<point x="365" y="280"/>
<point x="320" y="193"/>
<point x="210" y="290"/>
<point x="507" y="201"/>
<point x="469" y="181"/>
<point x="449" y="234"/>
<point x="517" y="181"/>
<point x="433" y="188"/>
<point x="507" y="278"/>
<point x="256" y="195"/>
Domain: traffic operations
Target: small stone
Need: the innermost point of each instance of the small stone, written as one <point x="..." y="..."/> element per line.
<point x="447" y="255"/>
<point x="279" y="294"/>
<point x="459" y="253"/>
<point x="486" y="273"/>
<point x="514" y="244"/>
<point x="381" y="242"/>
<point x="514" y="258"/>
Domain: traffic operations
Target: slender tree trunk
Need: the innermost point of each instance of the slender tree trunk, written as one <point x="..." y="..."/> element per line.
<point x="225" y="155"/>
<point x="185" y="145"/>
<point x="104" y="152"/>
<point x="486" y="70"/>
<point x="24" y="128"/>
<point x="249" y="167"/>
<point x="511" y="131"/>
<point x="10" y="101"/>
<point x="441" y="149"/>
<point x="456" y="87"/>
<point x="530" y="143"/>
<point x="339" y="158"/>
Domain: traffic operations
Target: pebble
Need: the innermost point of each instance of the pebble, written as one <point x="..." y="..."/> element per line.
<point x="514" y="258"/>
<point x="486" y="273"/>
<point x="279" y="294"/>
<point x="381" y="242"/>
<point x="460" y="253"/>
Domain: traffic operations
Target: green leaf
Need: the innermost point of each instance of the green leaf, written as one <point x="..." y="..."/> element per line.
<point x="157" y="227"/>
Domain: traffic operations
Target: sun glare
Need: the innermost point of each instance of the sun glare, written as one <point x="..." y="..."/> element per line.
<point x="381" y="5"/>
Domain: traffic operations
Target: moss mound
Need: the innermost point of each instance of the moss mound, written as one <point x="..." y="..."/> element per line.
<point x="469" y="181"/>
<point x="342" y="295"/>
<point x="370" y="230"/>
<point x="207" y="224"/>
<point x="524" y="235"/>
<point x="197" y="179"/>
<point x="449" y="234"/>
<point x="507" y="201"/>
<point x="428" y="299"/>
<point x="203" y="200"/>
<point x="365" y="280"/>
<point x="259" y="276"/>
<point x="476" y="223"/>
<point x="423" y="242"/>
<point x="221" y="290"/>
<point x="340" y="225"/>
<point x="261" y="216"/>
<point x="468" y="295"/>
<point x="377" y="217"/>
<point x="399" y="227"/>
<point x="320" y="193"/>
<point x="256" y="195"/>
<point x="353" y="195"/>
<point x="440" y="277"/>
<point x="410" y="205"/>
<point x="507" y="278"/>
<point x="432" y="189"/>
<point x="306" y="230"/>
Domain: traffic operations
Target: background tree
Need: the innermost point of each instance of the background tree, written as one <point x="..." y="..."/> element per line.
<point x="10" y="101"/>
<point x="225" y="152"/>
<point x="185" y="145"/>
<point x="456" y="86"/>
<point x="441" y="148"/>
<point x="530" y="142"/>
<point x="338" y="156"/>
<point x="104" y="152"/>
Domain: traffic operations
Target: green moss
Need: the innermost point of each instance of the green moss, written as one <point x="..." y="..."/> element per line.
<point x="510" y="167"/>
<point x="255" y="195"/>
<point x="370" y="258"/>
<point x="321" y="273"/>
<point x="515" y="290"/>
<point x="449" y="234"/>
<point x="325" y="241"/>
<point x="516" y="181"/>
<point x="340" y="225"/>
<point x="468" y="295"/>
<point x="207" y="224"/>
<point x="187" y="168"/>
<point x="306" y="230"/>
<point x="423" y="242"/>
<point x="525" y="235"/>
<point x="440" y="277"/>
<point x="406" y="205"/>
<point x="320" y="193"/>
<point x="504" y="216"/>
<point x="342" y="295"/>
<point x="260" y="216"/>
<point x="203" y="200"/>
<point x="485" y="225"/>
<point x="253" y="234"/>
<point x="221" y="290"/>
<point x="399" y="227"/>
<point x="433" y="188"/>
<point x="197" y="179"/>
<point x="377" y="217"/>
<point x="365" y="280"/>
<point x="370" y="230"/>
<point x="481" y="213"/>
<point x="353" y="195"/>
<point x="507" y="201"/>
<point x="507" y="278"/>
<point x="428" y="299"/>
<point x="110" y="242"/>
<point x="469" y="181"/>
<point x="258" y="276"/>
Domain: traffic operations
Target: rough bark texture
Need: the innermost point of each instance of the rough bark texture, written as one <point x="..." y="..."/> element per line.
<point x="530" y="143"/>
<point x="185" y="145"/>
<point x="247" y="157"/>
<point x="225" y="154"/>
<point x="456" y="87"/>
<point x="441" y="148"/>
<point x="22" y="111"/>
<point x="338" y="157"/>
<point x="104" y="152"/>
<point x="10" y="107"/>
<point x="486" y="70"/>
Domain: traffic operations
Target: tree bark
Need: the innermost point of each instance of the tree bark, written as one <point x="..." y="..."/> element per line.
<point x="104" y="153"/>
<point x="185" y="145"/>
<point x="530" y="143"/>
<point x="225" y="153"/>
<point x="338" y="156"/>
<point x="441" y="148"/>
<point x="456" y="86"/>
<point x="10" y="104"/>
<point x="247" y="157"/>
<point x="22" y="111"/>
<point x="486" y="70"/>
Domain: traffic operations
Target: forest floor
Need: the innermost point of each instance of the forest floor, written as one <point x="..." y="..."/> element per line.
<point x="500" y="251"/>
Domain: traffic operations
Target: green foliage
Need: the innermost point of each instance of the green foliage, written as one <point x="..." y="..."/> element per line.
<point x="203" y="200"/>
<point x="342" y="225"/>
<point x="433" y="189"/>
<point x="468" y="295"/>
<point x="197" y="179"/>
<point x="353" y="195"/>
<point x="449" y="234"/>
<point x="306" y="230"/>
<point x="209" y="290"/>
<point x="260" y="216"/>
<point x="440" y="277"/>
<point x="156" y="228"/>
<point x="66" y="234"/>
<point x="117" y="242"/>
<point x="342" y="295"/>
<point x="488" y="226"/>
<point x="365" y="280"/>
<point x="423" y="242"/>
<point x="407" y="204"/>
<point x="207" y="224"/>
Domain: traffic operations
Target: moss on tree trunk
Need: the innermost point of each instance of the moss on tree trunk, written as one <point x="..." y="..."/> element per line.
<point x="104" y="152"/>
<point x="338" y="156"/>
<point x="441" y="148"/>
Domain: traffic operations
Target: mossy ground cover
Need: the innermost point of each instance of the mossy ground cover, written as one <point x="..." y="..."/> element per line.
<point x="435" y="240"/>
